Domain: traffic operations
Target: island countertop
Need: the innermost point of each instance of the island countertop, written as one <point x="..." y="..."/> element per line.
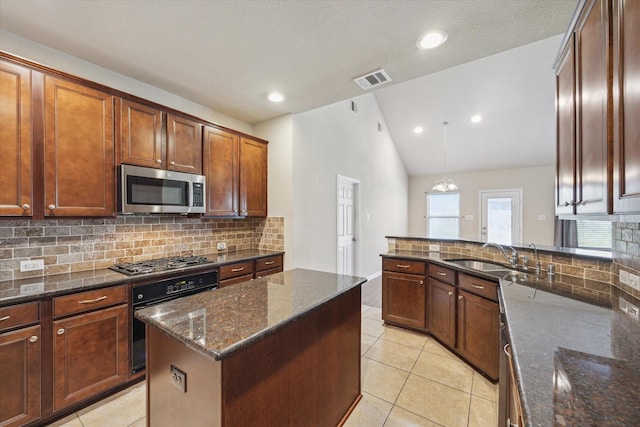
<point x="222" y="321"/>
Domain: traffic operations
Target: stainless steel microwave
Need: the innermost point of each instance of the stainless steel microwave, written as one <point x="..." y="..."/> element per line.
<point x="148" y="190"/>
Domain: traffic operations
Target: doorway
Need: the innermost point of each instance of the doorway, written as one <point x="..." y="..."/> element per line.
<point x="501" y="216"/>
<point x="347" y="225"/>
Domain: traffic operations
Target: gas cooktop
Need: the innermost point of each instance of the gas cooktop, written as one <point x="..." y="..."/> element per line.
<point x="161" y="264"/>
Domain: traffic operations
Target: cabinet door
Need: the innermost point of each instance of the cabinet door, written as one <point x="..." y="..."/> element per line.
<point x="140" y="135"/>
<point x="404" y="299"/>
<point x="592" y="131"/>
<point x="20" y="385"/>
<point x="16" y="197"/>
<point x="626" y="104"/>
<point x="220" y="164"/>
<point x="184" y="144"/>
<point x="253" y="178"/>
<point x="565" y="132"/>
<point x="89" y="354"/>
<point x="79" y="150"/>
<point x="442" y="311"/>
<point x="478" y="332"/>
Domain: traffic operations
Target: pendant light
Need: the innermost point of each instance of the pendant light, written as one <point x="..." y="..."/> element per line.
<point x="445" y="184"/>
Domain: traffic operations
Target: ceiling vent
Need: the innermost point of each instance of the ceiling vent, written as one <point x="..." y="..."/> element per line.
<point x="375" y="78"/>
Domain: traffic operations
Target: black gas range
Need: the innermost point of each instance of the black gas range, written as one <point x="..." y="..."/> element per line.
<point x="159" y="265"/>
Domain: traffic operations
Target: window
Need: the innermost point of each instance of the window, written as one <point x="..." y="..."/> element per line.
<point x="443" y="215"/>
<point x="594" y="234"/>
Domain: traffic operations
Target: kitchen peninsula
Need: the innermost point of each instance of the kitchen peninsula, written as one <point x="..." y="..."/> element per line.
<point x="279" y="350"/>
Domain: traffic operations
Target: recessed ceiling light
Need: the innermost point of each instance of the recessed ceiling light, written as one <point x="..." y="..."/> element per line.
<point x="432" y="39"/>
<point x="276" y="97"/>
<point x="417" y="130"/>
<point x="476" y="118"/>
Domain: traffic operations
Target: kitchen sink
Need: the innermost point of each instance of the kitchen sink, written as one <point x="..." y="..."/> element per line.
<point x="479" y="265"/>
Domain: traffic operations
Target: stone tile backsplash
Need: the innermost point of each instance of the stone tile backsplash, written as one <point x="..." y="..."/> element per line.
<point x="626" y="250"/>
<point x="68" y="245"/>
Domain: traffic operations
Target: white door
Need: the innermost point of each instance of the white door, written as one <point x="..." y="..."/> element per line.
<point x="501" y="216"/>
<point x="347" y="189"/>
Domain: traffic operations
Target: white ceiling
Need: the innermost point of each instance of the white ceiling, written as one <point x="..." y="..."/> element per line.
<point x="228" y="55"/>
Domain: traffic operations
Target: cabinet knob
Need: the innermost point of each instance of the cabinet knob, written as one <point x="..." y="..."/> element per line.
<point x="459" y="297"/>
<point x="52" y="207"/>
<point x="60" y="331"/>
<point x="450" y="293"/>
<point x="568" y="203"/>
<point x="158" y="161"/>
<point x="422" y="282"/>
<point x="173" y="163"/>
<point x="25" y="206"/>
<point x="33" y="338"/>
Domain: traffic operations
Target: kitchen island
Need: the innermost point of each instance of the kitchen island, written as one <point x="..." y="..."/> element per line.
<point x="280" y="350"/>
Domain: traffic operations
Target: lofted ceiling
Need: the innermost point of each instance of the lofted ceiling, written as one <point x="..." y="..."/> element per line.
<point x="228" y="55"/>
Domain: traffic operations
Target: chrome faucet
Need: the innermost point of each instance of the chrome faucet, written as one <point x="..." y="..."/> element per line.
<point x="538" y="265"/>
<point x="512" y="260"/>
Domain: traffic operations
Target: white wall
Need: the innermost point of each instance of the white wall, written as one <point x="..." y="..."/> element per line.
<point x="537" y="184"/>
<point x="61" y="61"/>
<point x="331" y="141"/>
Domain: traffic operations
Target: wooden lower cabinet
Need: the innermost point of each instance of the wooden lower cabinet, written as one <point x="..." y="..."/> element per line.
<point x="404" y="299"/>
<point x="20" y="389"/>
<point x="441" y="310"/>
<point x="89" y="354"/>
<point x="478" y="332"/>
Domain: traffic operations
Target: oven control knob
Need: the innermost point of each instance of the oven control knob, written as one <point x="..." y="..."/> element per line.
<point x="140" y="296"/>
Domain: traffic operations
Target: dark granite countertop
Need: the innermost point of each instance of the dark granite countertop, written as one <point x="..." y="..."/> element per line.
<point x="222" y="321"/>
<point x="578" y="364"/>
<point x="577" y="353"/>
<point x="33" y="288"/>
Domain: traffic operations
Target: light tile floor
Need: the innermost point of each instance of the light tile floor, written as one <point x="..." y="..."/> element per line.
<point x="408" y="379"/>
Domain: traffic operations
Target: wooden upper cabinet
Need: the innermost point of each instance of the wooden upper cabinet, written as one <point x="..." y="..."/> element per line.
<point x="16" y="197"/>
<point x="592" y="113"/>
<point x="626" y="106"/>
<point x="565" y="132"/>
<point x="220" y="166"/>
<point x="184" y="144"/>
<point x="253" y="177"/>
<point x="79" y="158"/>
<point x="139" y="134"/>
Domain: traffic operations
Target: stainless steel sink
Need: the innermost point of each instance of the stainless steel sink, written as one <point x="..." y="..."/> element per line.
<point x="479" y="265"/>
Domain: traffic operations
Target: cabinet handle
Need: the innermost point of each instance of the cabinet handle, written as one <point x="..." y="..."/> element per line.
<point x="235" y="270"/>
<point x="269" y="262"/>
<point x="402" y="266"/>
<point x="25" y="206"/>
<point x="2" y="319"/>
<point x="158" y="161"/>
<point x="477" y="286"/>
<point x="450" y="293"/>
<point x="52" y="207"/>
<point x="459" y="297"/>
<point x="507" y="350"/>
<point x="92" y="301"/>
<point x="172" y="162"/>
<point x="440" y="273"/>
<point x="60" y="331"/>
<point x="568" y="203"/>
<point x="33" y="338"/>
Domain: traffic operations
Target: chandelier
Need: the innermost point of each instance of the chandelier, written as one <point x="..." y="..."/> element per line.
<point x="445" y="184"/>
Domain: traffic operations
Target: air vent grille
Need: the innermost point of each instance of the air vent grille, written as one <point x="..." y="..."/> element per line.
<point x="375" y="78"/>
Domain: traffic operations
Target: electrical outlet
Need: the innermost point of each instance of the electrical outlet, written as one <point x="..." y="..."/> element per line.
<point x="624" y="277"/>
<point x="222" y="246"/>
<point x="633" y="312"/>
<point x="32" y="288"/>
<point x="624" y="305"/>
<point x="634" y="281"/>
<point x="434" y="248"/>
<point x="31" y="265"/>
<point x="178" y="378"/>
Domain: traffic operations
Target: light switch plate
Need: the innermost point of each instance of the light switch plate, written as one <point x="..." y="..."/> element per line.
<point x="179" y="378"/>
<point x="434" y="248"/>
<point x="31" y="265"/>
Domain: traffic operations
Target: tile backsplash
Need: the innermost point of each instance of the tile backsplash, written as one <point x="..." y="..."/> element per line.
<point x="68" y="245"/>
<point x="626" y="250"/>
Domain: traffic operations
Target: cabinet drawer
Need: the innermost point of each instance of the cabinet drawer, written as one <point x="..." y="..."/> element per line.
<point x="19" y="315"/>
<point x="235" y="270"/>
<point x="477" y="286"/>
<point x="90" y="300"/>
<point x="234" y="280"/>
<point x="443" y="274"/>
<point x="269" y="263"/>
<point x="268" y="272"/>
<point x="403" y="266"/>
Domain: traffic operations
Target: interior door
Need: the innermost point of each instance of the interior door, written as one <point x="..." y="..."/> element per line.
<point x="501" y="216"/>
<point x="347" y="189"/>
